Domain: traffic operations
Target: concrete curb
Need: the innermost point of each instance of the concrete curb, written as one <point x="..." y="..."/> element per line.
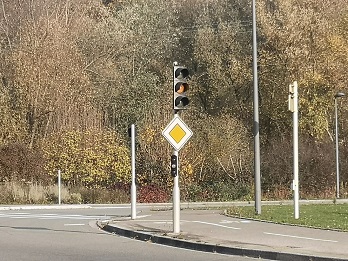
<point x="198" y="246"/>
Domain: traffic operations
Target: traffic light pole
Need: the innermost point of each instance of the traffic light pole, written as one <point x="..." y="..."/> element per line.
<point x="176" y="198"/>
<point x="295" y="131"/>
<point x="293" y="107"/>
<point x="180" y="102"/>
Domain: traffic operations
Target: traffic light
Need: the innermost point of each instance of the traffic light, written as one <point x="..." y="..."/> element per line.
<point x="180" y="101"/>
<point x="292" y="98"/>
<point x="174" y="165"/>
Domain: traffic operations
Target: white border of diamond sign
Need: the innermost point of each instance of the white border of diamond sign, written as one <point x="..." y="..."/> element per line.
<point x="166" y="133"/>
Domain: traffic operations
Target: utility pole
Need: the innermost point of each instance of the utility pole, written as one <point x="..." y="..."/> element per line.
<point x="256" y="128"/>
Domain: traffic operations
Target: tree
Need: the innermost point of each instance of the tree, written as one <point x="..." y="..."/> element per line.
<point x="296" y="44"/>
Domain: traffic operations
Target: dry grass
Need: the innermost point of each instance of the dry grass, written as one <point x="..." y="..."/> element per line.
<point x="32" y="193"/>
<point x="36" y="193"/>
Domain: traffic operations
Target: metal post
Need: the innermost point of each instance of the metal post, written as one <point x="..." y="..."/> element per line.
<point x="257" y="171"/>
<point x="338" y="95"/>
<point x="176" y="190"/>
<point x="133" y="186"/>
<point x="337" y="157"/>
<point x="295" y="152"/>
<point x="176" y="199"/>
<point x="59" y="187"/>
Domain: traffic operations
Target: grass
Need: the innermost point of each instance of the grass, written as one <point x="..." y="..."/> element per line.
<point x="332" y="216"/>
<point x="34" y="193"/>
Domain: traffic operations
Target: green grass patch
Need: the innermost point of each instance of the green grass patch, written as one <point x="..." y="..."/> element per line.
<point x="333" y="216"/>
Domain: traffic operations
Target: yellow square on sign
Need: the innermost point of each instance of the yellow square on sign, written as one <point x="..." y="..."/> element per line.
<point x="177" y="133"/>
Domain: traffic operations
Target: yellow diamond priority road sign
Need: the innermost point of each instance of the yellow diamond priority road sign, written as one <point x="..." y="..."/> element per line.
<point x="177" y="133"/>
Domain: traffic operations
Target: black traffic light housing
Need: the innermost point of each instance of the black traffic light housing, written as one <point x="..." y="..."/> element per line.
<point x="180" y="87"/>
<point x="174" y="165"/>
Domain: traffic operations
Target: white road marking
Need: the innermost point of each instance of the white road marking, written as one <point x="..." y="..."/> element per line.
<point x="143" y="216"/>
<point x="153" y="220"/>
<point x="187" y="221"/>
<point x="111" y="207"/>
<point x="74" y="224"/>
<point x="299" y="237"/>
<point x="40" y="207"/>
<point x="52" y="216"/>
<point x="228" y="221"/>
<point x="74" y="217"/>
<point x="15" y="213"/>
<point x="217" y="225"/>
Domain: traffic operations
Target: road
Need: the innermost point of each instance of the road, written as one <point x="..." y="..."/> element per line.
<point x="209" y="230"/>
<point x="72" y="234"/>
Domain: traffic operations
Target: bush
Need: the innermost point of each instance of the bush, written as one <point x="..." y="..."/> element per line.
<point x="152" y="194"/>
<point x="18" y="162"/>
<point x="114" y="195"/>
<point x="217" y="191"/>
<point x="90" y="158"/>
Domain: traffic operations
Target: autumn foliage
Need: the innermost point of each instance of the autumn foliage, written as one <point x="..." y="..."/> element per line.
<point x="74" y="74"/>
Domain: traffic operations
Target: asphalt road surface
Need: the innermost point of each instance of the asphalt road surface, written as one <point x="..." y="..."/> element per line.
<point x="72" y="234"/>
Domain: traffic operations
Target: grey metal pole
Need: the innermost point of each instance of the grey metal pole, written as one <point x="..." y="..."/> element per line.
<point x="338" y="95"/>
<point x="176" y="199"/>
<point x="133" y="186"/>
<point x="59" y="187"/>
<point x="257" y="171"/>
<point x="176" y="189"/>
<point x="337" y="157"/>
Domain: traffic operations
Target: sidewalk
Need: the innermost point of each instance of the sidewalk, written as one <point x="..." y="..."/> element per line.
<point x="211" y="231"/>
